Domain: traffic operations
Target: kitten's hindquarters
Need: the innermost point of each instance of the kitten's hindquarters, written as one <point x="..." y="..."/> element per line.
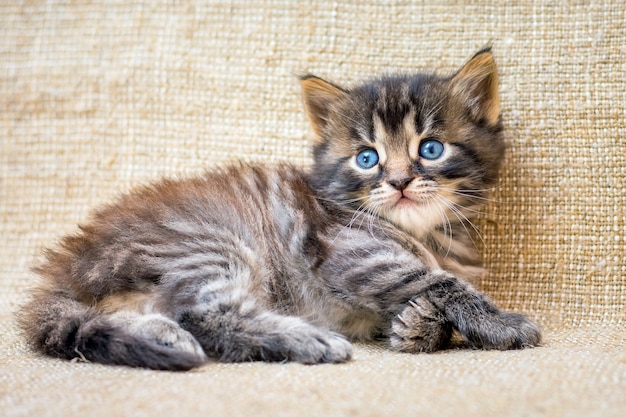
<point x="210" y="253"/>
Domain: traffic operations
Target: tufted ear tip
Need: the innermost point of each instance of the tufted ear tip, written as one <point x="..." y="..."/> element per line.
<point x="477" y="83"/>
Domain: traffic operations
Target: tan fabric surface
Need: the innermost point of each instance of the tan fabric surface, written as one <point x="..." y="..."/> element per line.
<point x="96" y="97"/>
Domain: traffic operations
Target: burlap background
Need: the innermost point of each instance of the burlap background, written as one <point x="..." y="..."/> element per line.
<point x="96" y="97"/>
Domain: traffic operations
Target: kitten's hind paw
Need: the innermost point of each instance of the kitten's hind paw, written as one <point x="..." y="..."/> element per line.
<point x="158" y="329"/>
<point x="148" y="341"/>
<point x="420" y="327"/>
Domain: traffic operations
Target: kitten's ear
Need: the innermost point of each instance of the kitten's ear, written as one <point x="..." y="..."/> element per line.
<point x="477" y="84"/>
<point x="318" y="96"/>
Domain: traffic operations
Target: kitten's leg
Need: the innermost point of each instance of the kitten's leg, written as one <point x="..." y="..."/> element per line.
<point x="372" y="279"/>
<point x="416" y="306"/>
<point x="447" y="299"/>
<point x="232" y="326"/>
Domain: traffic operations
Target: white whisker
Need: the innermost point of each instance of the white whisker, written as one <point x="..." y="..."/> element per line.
<point x="454" y="209"/>
<point x="467" y="194"/>
<point x="447" y="227"/>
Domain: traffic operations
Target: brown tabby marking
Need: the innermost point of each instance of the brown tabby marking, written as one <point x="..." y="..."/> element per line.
<point x="276" y="263"/>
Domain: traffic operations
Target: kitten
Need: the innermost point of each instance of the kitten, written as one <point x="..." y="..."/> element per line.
<point x="282" y="264"/>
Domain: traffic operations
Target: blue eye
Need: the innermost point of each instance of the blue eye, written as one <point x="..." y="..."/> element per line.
<point x="431" y="149"/>
<point x="367" y="159"/>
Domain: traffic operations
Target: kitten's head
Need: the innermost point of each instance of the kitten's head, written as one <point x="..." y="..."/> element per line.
<point x="419" y="150"/>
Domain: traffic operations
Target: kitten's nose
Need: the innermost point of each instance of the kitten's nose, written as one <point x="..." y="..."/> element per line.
<point x="399" y="183"/>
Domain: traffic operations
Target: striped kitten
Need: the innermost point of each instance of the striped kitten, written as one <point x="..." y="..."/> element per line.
<point x="281" y="264"/>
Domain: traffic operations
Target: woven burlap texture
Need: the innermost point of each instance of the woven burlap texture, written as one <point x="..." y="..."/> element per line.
<point x="96" y="97"/>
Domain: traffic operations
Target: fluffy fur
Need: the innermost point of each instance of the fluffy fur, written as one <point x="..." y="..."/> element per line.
<point x="278" y="263"/>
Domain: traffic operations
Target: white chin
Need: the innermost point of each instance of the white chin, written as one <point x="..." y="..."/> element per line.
<point x="414" y="218"/>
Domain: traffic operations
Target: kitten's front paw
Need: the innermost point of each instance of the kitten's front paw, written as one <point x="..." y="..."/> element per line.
<point x="509" y="331"/>
<point x="420" y="327"/>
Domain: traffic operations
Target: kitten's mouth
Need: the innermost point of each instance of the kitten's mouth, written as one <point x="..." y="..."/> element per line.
<point x="405" y="202"/>
<point x="410" y="200"/>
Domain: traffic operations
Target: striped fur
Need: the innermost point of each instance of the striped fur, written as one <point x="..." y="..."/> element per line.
<point x="276" y="263"/>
